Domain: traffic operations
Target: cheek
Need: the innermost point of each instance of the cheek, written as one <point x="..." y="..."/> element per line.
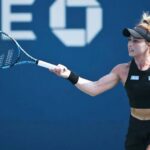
<point x="141" y="48"/>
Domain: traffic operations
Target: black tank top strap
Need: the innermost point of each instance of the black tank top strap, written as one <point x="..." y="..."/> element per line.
<point x="132" y="69"/>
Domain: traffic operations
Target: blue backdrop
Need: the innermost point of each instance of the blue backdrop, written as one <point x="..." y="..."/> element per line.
<point x="39" y="110"/>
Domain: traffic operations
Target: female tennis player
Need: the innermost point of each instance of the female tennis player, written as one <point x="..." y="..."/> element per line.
<point x="135" y="77"/>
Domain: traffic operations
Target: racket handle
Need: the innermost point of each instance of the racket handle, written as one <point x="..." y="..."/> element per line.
<point x="45" y="64"/>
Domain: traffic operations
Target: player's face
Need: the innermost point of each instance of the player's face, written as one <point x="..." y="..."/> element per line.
<point x="137" y="47"/>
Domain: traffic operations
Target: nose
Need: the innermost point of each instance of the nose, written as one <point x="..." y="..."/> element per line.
<point x="130" y="44"/>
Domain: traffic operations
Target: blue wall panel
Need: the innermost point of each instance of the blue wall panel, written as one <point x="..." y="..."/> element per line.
<point x="38" y="110"/>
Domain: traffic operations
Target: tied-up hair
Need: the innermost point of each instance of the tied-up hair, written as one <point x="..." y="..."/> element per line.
<point x="141" y="30"/>
<point x="145" y="21"/>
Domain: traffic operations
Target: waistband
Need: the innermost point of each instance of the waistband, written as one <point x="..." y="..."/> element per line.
<point x="137" y="124"/>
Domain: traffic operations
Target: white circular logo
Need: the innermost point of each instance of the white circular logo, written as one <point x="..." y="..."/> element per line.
<point x="76" y="37"/>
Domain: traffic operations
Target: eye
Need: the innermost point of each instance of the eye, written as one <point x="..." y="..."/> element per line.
<point x="135" y="41"/>
<point x="129" y="39"/>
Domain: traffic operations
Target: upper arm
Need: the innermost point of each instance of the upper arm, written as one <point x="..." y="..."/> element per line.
<point x="105" y="83"/>
<point x="108" y="81"/>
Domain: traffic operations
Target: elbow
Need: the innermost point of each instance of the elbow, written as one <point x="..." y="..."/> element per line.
<point x="95" y="93"/>
<point x="92" y="94"/>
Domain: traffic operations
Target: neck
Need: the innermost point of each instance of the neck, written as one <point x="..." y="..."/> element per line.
<point x="143" y="62"/>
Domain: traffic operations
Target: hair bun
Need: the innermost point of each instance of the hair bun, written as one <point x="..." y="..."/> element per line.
<point x="145" y="21"/>
<point x="146" y="18"/>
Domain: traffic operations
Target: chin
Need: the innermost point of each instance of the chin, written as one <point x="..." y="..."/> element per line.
<point x="131" y="54"/>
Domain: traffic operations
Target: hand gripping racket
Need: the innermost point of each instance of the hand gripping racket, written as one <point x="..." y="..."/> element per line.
<point x="11" y="54"/>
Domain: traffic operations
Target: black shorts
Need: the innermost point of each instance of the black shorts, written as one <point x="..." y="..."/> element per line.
<point x="138" y="136"/>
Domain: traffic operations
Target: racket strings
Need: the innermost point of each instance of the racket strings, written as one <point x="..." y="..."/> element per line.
<point x="2" y="57"/>
<point x="12" y="64"/>
<point x="9" y="57"/>
<point x="9" y="54"/>
<point x="12" y="54"/>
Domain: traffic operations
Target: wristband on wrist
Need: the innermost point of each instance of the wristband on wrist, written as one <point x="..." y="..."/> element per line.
<point x="73" y="78"/>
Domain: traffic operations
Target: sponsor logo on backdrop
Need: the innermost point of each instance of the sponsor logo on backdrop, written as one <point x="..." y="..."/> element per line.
<point x="76" y="37"/>
<point x="8" y="17"/>
<point x="57" y="21"/>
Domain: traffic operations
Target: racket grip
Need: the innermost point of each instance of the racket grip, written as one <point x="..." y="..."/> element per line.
<point x="45" y="64"/>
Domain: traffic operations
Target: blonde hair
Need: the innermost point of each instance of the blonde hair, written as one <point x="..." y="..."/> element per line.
<point x="145" y="21"/>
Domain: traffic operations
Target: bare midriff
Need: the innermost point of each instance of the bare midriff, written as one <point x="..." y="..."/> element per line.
<point x="142" y="114"/>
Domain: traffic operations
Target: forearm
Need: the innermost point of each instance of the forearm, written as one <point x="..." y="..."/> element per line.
<point x="94" y="88"/>
<point x="86" y="86"/>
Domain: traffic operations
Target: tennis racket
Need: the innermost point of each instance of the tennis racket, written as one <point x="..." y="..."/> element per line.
<point x="12" y="54"/>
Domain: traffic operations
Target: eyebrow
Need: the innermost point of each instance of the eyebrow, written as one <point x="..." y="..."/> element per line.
<point x="135" y="38"/>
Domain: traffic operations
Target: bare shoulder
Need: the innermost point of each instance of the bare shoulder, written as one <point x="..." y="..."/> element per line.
<point x="121" y="69"/>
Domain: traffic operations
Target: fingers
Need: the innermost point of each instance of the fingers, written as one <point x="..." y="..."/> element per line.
<point x="59" y="69"/>
<point x="62" y="67"/>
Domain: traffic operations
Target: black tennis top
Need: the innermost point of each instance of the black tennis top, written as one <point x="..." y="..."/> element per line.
<point x="138" y="86"/>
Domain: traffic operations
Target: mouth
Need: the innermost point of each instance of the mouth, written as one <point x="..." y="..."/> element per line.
<point x="131" y="50"/>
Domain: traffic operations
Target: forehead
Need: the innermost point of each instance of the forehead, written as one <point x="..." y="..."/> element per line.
<point x="134" y="38"/>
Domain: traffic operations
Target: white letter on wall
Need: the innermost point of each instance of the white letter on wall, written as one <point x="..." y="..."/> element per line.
<point x="8" y="17"/>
